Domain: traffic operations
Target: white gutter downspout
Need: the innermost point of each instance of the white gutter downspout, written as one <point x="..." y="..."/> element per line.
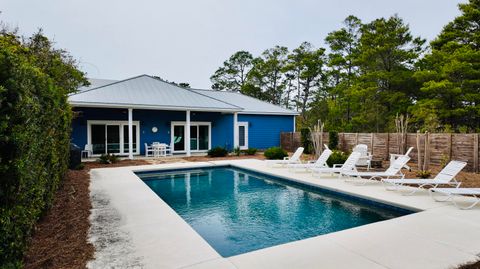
<point x="294" y="123"/>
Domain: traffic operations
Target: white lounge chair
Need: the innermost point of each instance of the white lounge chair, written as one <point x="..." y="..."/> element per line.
<point x="365" y="158"/>
<point x="287" y="160"/>
<point x="321" y="162"/>
<point x="394" y="170"/>
<point x="445" y="177"/>
<point x="393" y="157"/>
<point x="349" y="165"/>
<point x="451" y="193"/>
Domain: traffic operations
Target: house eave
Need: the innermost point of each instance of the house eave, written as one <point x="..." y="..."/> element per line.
<point x="152" y="107"/>
<point x="269" y="113"/>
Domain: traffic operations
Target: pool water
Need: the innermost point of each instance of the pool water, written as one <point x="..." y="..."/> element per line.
<point x="237" y="211"/>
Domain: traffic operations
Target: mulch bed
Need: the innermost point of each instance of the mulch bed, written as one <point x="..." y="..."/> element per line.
<point x="60" y="237"/>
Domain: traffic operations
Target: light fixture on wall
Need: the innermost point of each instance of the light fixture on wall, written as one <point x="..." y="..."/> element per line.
<point x="154" y="129"/>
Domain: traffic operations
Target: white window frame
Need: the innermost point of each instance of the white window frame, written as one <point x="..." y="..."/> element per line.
<point x="192" y="123"/>
<point x="121" y="124"/>
<point x="244" y="124"/>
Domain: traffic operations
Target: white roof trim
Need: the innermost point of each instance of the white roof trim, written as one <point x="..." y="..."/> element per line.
<point x="268" y="113"/>
<point x="134" y="106"/>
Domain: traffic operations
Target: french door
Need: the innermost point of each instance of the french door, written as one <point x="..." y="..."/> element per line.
<point x="200" y="139"/>
<point x="112" y="137"/>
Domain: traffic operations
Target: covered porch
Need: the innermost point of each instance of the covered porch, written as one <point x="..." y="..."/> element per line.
<point x="103" y="130"/>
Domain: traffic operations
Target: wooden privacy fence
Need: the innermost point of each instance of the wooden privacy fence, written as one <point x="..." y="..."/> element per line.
<point x="440" y="148"/>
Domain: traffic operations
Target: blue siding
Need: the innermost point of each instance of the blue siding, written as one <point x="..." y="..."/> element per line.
<point x="264" y="130"/>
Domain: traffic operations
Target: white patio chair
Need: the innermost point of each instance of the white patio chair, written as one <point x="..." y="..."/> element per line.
<point x="394" y="170"/>
<point x="365" y="158"/>
<point x="451" y="193"/>
<point x="168" y="150"/>
<point x="445" y="177"/>
<point x="88" y="149"/>
<point x="321" y="162"/>
<point x="393" y="157"/>
<point x="148" y="149"/>
<point x="349" y="165"/>
<point x="287" y="160"/>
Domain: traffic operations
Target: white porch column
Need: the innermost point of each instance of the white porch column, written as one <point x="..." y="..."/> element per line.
<point x="130" y="134"/>
<point x="235" y="130"/>
<point x="187" y="133"/>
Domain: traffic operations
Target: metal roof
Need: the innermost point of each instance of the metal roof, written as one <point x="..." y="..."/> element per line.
<point x="96" y="82"/>
<point x="146" y="92"/>
<point x="249" y="104"/>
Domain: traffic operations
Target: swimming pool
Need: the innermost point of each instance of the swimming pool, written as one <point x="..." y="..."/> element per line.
<point x="238" y="211"/>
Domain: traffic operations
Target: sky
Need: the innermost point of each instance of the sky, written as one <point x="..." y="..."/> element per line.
<point x="187" y="40"/>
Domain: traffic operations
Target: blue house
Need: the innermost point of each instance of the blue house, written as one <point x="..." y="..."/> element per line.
<point x="108" y="113"/>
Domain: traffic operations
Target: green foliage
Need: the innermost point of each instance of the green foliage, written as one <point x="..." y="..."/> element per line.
<point x="237" y="151"/>
<point x="232" y="76"/>
<point x="337" y="157"/>
<point x="424" y="173"/>
<point x="373" y="71"/>
<point x="275" y="153"/>
<point x="250" y="151"/>
<point x="332" y="140"/>
<point x="218" y="152"/>
<point x="35" y="123"/>
<point x="80" y="166"/>
<point x="306" y="140"/>
<point x="107" y="158"/>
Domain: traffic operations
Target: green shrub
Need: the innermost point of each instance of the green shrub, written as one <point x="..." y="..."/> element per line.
<point x="80" y="166"/>
<point x="237" y="151"/>
<point x="275" y="153"/>
<point x="250" y="151"/>
<point x="107" y="158"/>
<point x="337" y="157"/>
<point x="306" y="140"/>
<point x="424" y="173"/>
<point x="35" y="124"/>
<point x="218" y="152"/>
<point x="332" y="140"/>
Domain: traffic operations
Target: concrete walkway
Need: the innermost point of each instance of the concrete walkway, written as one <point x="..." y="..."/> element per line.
<point x="139" y="230"/>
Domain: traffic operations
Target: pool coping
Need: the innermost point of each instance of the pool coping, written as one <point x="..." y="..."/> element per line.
<point x="161" y="238"/>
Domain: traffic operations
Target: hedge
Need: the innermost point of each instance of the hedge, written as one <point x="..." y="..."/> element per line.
<point x="35" y="120"/>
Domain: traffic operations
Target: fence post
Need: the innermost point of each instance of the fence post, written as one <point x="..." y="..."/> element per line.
<point x="426" y="162"/>
<point x="292" y="140"/>
<point x="371" y="142"/>
<point x="450" y="148"/>
<point x="356" y="139"/>
<point x="388" y="147"/>
<point x="475" y="152"/>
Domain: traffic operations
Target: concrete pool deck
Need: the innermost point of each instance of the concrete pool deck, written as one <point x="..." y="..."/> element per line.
<point x="133" y="227"/>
